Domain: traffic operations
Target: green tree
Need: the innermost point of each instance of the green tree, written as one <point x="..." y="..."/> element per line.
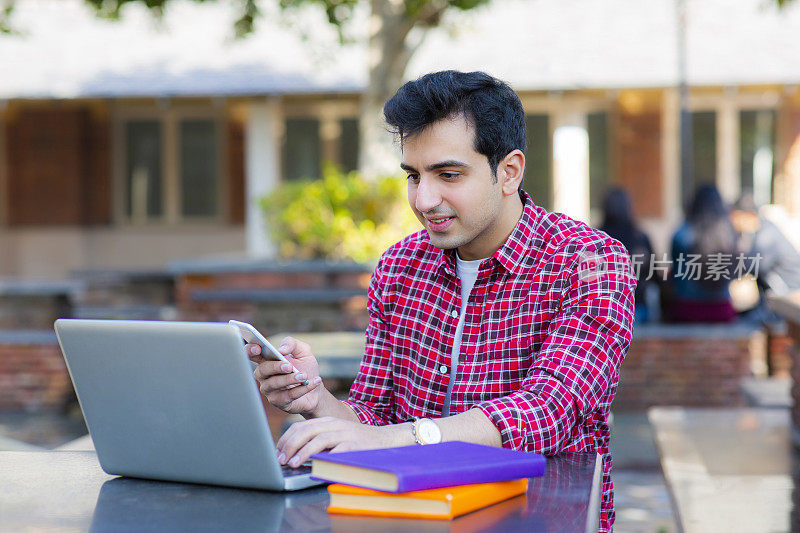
<point x="340" y="216"/>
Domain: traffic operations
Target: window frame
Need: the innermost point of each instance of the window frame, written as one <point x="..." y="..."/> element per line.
<point x="169" y="117"/>
<point x="556" y="103"/>
<point x="329" y="113"/>
<point x="728" y="104"/>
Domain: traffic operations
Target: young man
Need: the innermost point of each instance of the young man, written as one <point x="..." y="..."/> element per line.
<point x="499" y="323"/>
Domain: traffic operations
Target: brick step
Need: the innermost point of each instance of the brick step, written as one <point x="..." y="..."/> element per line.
<point x="277" y="296"/>
<point x="125" y="312"/>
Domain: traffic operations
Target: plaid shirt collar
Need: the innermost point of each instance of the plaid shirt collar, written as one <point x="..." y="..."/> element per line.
<point x="511" y="255"/>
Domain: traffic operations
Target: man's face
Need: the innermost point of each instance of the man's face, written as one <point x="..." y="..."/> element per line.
<point x="452" y="190"/>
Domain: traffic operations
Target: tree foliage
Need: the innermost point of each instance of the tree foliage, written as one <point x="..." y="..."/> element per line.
<point x="425" y="12"/>
<point x="112" y="9"/>
<point x="339" y="216"/>
<point x="338" y="12"/>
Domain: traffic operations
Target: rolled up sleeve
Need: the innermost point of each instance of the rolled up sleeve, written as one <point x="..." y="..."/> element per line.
<point x="371" y="394"/>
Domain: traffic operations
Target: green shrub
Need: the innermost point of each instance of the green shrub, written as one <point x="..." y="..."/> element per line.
<point x="340" y="216"/>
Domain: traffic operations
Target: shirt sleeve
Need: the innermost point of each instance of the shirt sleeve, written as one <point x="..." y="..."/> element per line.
<point x="577" y="366"/>
<point x="371" y="396"/>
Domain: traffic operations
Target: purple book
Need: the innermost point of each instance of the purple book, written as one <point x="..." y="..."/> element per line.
<point x="427" y="467"/>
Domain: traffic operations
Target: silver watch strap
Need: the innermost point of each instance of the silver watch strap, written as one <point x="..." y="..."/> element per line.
<point x="414" y="429"/>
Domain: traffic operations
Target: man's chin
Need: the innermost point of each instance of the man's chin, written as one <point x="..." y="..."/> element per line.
<point x="444" y="242"/>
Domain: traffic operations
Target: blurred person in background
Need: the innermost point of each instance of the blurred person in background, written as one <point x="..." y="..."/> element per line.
<point x="618" y="223"/>
<point x="703" y="255"/>
<point x="773" y="261"/>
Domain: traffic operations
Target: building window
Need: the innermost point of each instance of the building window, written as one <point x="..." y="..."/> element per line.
<point x="172" y="169"/>
<point x="756" y="152"/>
<point x="538" y="179"/>
<point x="199" y="163"/>
<point x="704" y="150"/>
<point x="348" y="144"/>
<point x="301" y="149"/>
<point x="143" y="172"/>
<point x="597" y="125"/>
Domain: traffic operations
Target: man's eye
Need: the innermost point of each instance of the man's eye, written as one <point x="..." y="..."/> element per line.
<point x="449" y="175"/>
<point x="413" y="177"/>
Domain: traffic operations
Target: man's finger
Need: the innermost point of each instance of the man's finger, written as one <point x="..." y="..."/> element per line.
<point x="274" y="393"/>
<point x="296" y="392"/>
<point x="346" y="446"/>
<point x="254" y="353"/>
<point x="282" y="381"/>
<point x="268" y="369"/>
<point x="295" y="348"/>
<point x="321" y="442"/>
<point x="301" y="432"/>
<point x="284" y="396"/>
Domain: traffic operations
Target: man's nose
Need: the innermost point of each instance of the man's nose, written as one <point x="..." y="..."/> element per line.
<point x="428" y="196"/>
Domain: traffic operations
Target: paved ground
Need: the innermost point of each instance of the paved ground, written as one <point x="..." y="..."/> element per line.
<point x="640" y="492"/>
<point x="41" y="430"/>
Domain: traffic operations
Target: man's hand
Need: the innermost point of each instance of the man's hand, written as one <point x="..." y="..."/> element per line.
<point x="280" y="386"/>
<point x="303" y="439"/>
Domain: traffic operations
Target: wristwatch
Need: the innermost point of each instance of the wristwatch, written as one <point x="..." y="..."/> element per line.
<point x="426" y="431"/>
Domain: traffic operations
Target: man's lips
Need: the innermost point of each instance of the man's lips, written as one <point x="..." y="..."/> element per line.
<point x="439" y="223"/>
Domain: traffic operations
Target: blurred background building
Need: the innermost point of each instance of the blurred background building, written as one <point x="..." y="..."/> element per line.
<point x="137" y="142"/>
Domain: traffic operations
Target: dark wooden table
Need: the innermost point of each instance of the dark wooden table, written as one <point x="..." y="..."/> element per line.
<point x="68" y="491"/>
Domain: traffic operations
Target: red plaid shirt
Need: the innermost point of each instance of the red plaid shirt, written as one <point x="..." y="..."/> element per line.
<point x="548" y="323"/>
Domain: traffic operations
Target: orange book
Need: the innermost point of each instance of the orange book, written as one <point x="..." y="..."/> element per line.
<point x="441" y="504"/>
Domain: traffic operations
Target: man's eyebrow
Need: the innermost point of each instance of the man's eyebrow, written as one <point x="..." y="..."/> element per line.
<point x="448" y="163"/>
<point x="435" y="166"/>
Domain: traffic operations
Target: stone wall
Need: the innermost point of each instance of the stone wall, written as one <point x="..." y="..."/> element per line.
<point x="276" y="297"/>
<point x="693" y="365"/>
<point x="794" y="333"/>
<point x="788" y="306"/>
<point x="690" y="365"/>
<point x="33" y="375"/>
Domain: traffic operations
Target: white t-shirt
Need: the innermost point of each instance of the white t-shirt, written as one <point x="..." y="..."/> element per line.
<point x="467" y="272"/>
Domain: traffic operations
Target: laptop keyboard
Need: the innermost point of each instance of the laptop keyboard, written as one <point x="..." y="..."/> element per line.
<point x="303" y="469"/>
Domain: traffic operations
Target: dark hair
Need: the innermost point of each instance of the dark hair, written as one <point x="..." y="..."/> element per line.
<point x="713" y="231"/>
<point x="617" y="209"/>
<point x="618" y="218"/>
<point x="706" y="205"/>
<point x="490" y="105"/>
<point x="618" y="223"/>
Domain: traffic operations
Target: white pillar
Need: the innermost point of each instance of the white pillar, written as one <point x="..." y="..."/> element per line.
<point x="571" y="165"/>
<point x="728" y="151"/>
<point x="262" y="171"/>
<point x="330" y="131"/>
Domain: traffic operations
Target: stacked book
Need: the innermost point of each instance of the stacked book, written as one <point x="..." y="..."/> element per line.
<point x="439" y="481"/>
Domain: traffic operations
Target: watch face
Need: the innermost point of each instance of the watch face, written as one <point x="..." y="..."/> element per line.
<point x="429" y="432"/>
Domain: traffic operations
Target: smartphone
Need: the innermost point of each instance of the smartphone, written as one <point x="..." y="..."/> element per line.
<point x="252" y="336"/>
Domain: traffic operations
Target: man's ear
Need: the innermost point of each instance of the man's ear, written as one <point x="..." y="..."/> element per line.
<point x="510" y="171"/>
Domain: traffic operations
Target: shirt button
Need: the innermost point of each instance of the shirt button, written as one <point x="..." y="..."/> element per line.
<point x="454" y="313"/>
<point x="443" y="369"/>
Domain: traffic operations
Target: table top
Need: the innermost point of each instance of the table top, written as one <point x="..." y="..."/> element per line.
<point x="729" y="469"/>
<point x="788" y="306"/>
<point x="67" y="491"/>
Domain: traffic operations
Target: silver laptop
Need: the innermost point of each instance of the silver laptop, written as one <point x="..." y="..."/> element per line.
<point x="173" y="401"/>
